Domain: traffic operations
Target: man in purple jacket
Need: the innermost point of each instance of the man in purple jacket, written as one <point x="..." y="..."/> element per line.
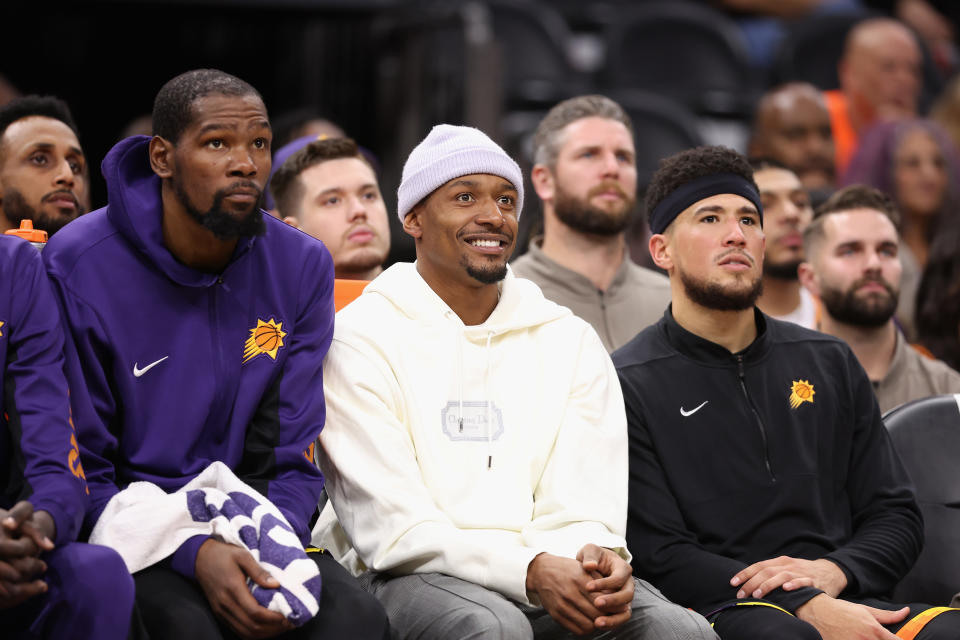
<point x="50" y="586"/>
<point x="198" y="329"/>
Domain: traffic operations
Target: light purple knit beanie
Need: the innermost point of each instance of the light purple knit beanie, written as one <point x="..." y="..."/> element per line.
<point x="449" y="152"/>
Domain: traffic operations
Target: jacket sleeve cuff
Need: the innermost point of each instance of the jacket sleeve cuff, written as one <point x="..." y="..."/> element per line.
<point x="184" y="559"/>
<point x="65" y="525"/>
<point x="853" y="585"/>
<point x="792" y="600"/>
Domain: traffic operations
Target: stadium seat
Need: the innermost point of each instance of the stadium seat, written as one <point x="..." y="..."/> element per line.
<point x="661" y="127"/>
<point x="685" y="51"/>
<point x="346" y="291"/>
<point x="812" y="47"/>
<point x="926" y="434"/>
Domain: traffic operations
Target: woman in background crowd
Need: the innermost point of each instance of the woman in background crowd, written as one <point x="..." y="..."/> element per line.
<point x="915" y="163"/>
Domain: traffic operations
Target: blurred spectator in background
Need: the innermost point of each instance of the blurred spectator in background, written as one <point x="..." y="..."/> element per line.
<point x="938" y="298"/>
<point x="42" y="167"/>
<point x="786" y="213"/>
<point x="879" y="80"/>
<point x="946" y="110"/>
<point x="935" y="23"/>
<point x="585" y="174"/>
<point x="853" y="266"/>
<point x="914" y="163"/>
<point x="141" y="125"/>
<point x="329" y="190"/>
<point x="792" y="126"/>
<point x="8" y="92"/>
<point x="299" y="123"/>
<point x="764" y="22"/>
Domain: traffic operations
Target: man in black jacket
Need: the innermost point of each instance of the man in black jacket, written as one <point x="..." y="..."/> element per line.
<point x="764" y="491"/>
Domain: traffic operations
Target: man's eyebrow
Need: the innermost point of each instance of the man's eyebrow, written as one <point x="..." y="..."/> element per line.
<point x="214" y="126"/>
<point x="49" y="146"/>
<point x="712" y="208"/>
<point x="508" y="186"/>
<point x="715" y="208"/>
<point x="850" y="244"/>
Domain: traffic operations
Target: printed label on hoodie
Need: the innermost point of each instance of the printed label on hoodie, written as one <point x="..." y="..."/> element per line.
<point x="474" y="425"/>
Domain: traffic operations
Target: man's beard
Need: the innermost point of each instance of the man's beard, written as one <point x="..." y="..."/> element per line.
<point x="872" y="311"/>
<point x="712" y="295"/>
<point x="220" y="223"/>
<point x="581" y="216"/>
<point x="783" y="271"/>
<point x="15" y="209"/>
<point x="487" y="274"/>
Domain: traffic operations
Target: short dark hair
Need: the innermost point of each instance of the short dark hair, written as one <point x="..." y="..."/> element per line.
<point x="33" y="105"/>
<point x="856" y="196"/>
<point x="681" y="168"/>
<point x="173" y="106"/>
<point x="285" y="186"/>
<point x="546" y="139"/>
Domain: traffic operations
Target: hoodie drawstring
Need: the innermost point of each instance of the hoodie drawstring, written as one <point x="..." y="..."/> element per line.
<point x="486" y="392"/>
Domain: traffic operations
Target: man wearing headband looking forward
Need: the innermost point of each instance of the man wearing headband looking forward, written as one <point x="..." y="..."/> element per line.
<point x="764" y="492"/>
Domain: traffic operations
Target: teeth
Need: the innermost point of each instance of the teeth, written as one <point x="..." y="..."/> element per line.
<point x="485" y="243"/>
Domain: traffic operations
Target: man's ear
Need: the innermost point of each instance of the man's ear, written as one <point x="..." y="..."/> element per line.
<point x="661" y="251"/>
<point x="411" y="222"/>
<point x="808" y="278"/>
<point x="543" y="182"/>
<point x="161" y="157"/>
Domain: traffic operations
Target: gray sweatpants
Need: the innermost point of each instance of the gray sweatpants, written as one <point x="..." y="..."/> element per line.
<point x="427" y="606"/>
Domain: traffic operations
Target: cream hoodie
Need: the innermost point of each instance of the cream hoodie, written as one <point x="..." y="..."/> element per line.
<point x="469" y="450"/>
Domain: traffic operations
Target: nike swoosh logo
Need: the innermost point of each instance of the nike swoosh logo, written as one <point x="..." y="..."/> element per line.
<point x="139" y="372"/>
<point x="692" y="411"/>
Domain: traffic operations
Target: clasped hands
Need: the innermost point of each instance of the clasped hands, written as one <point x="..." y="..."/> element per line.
<point x="24" y="534"/>
<point x="590" y="593"/>
<point x="835" y="619"/>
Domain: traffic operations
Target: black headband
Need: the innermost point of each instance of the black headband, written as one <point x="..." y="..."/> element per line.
<point x="696" y="190"/>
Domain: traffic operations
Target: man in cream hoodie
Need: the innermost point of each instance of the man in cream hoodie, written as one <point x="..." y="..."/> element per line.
<point x="475" y="446"/>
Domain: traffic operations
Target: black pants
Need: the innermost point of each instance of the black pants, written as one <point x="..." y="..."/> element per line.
<point x="172" y="607"/>
<point x="762" y="623"/>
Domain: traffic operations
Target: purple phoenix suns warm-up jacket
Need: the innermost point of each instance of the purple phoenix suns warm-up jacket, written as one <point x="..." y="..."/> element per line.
<point x="38" y="451"/>
<point x="171" y="368"/>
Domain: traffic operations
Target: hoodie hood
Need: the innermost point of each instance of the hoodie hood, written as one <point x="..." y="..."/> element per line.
<point x="136" y="209"/>
<point x="521" y="305"/>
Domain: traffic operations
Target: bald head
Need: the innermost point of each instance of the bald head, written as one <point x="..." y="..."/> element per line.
<point x="792" y="126"/>
<point x="880" y="72"/>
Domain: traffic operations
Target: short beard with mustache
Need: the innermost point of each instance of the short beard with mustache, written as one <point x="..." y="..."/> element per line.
<point x="221" y="223"/>
<point x="719" y="298"/>
<point x="487" y="274"/>
<point x="871" y="312"/>
<point x="784" y="271"/>
<point x="580" y="216"/>
<point x="15" y="209"/>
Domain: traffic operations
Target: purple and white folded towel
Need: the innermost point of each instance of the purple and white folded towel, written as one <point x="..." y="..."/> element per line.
<point x="144" y="524"/>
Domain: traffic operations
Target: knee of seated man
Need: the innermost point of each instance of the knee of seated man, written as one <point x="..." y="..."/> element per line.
<point x="945" y="626"/>
<point x="506" y="623"/>
<point x="357" y="605"/>
<point x="93" y="575"/>
<point x="671" y="624"/>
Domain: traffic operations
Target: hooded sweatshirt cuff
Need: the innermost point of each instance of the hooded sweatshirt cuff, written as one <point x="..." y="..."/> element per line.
<point x="65" y="526"/>
<point x="507" y="573"/>
<point x="184" y="559"/>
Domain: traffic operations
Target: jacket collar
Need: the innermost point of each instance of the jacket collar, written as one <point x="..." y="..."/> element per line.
<point x="550" y="270"/>
<point x="711" y="353"/>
